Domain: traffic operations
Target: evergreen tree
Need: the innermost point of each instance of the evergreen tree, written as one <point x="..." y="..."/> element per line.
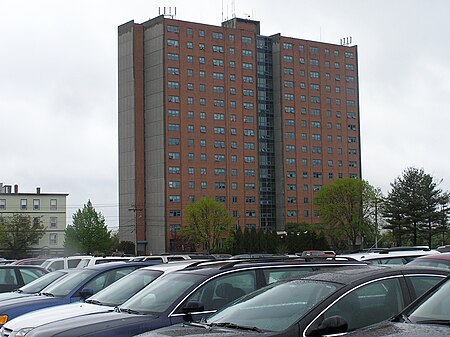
<point x="411" y="207"/>
<point x="88" y="233"/>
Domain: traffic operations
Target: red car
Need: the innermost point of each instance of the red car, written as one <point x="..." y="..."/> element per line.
<point x="441" y="260"/>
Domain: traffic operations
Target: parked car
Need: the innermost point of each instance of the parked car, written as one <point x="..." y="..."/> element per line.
<point x="62" y="262"/>
<point x="13" y="277"/>
<point x="173" y="297"/>
<point x="318" y="253"/>
<point x="394" y="255"/>
<point x="443" y="249"/>
<point x="103" y="301"/>
<point x="36" y="286"/>
<point x="77" y="286"/>
<point x="4" y="261"/>
<point x="440" y="260"/>
<point x="32" y="261"/>
<point x="326" y="303"/>
<point x="165" y="258"/>
<point x="428" y="316"/>
<point x="93" y="260"/>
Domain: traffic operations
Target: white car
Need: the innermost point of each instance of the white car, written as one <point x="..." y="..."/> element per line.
<point x="88" y="261"/>
<point x="58" y="263"/>
<point x="103" y="301"/>
<point x="396" y="255"/>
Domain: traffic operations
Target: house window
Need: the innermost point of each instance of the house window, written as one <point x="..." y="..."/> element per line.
<point x="53" y="240"/>
<point x="23" y="204"/>
<point x="53" y="204"/>
<point x="2" y="204"/>
<point x="36" y="204"/>
<point x="53" y="222"/>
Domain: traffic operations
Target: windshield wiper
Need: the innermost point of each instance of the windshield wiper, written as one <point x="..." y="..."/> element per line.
<point x="92" y="301"/>
<point x="47" y="294"/>
<point x="235" y="326"/>
<point x="129" y="311"/>
<point x="435" y="321"/>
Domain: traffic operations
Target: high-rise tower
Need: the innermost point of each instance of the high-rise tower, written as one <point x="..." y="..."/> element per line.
<point x="256" y="122"/>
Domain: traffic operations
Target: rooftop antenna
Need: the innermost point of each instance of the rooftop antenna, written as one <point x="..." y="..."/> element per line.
<point x="346" y="41"/>
<point x="168" y="13"/>
<point x="233" y="9"/>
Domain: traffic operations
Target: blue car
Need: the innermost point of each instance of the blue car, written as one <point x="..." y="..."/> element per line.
<point x="36" y="286"/>
<point x="77" y="286"/>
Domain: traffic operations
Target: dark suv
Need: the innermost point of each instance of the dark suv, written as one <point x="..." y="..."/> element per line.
<point x="188" y="294"/>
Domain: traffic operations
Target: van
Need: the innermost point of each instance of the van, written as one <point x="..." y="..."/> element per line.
<point x="93" y="260"/>
<point x="62" y="262"/>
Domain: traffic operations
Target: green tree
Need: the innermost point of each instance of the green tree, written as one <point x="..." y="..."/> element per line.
<point x="88" y="233"/>
<point x="412" y="207"/>
<point x="208" y="223"/>
<point x="18" y="232"/>
<point x="345" y="207"/>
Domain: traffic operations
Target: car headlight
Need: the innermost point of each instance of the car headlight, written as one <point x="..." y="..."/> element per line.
<point x="3" y="319"/>
<point x="22" y="332"/>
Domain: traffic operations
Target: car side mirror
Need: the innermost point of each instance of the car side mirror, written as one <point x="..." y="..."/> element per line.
<point x="190" y="307"/>
<point x="86" y="292"/>
<point x="330" y="325"/>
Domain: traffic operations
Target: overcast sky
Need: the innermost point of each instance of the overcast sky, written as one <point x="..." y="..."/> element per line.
<point x="58" y="84"/>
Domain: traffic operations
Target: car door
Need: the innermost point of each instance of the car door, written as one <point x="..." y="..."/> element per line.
<point x="366" y="304"/>
<point x="217" y="292"/>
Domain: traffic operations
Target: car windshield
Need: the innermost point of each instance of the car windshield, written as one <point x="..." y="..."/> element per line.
<point x="67" y="284"/>
<point x="123" y="289"/>
<point x="434" y="307"/>
<point x="274" y="308"/>
<point x="159" y="295"/>
<point x="42" y="282"/>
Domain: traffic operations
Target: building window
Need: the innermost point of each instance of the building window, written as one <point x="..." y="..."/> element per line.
<point x="246" y="39"/>
<point x="2" y="204"/>
<point x="53" y="240"/>
<point x="174" y="141"/>
<point x="36" y="204"/>
<point x="174" y="184"/>
<point x="175" y="213"/>
<point x="53" y="222"/>
<point x="175" y="227"/>
<point x="53" y="204"/>
<point x="174" y="198"/>
<point x="172" y="43"/>
<point x="23" y="204"/>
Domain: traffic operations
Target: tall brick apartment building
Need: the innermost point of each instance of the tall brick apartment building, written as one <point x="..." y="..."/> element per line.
<point x="256" y="122"/>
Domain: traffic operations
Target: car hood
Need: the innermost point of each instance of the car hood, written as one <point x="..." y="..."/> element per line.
<point x="33" y="302"/>
<point x="98" y="324"/>
<point x="13" y="295"/>
<point x="392" y="329"/>
<point x="54" y="313"/>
